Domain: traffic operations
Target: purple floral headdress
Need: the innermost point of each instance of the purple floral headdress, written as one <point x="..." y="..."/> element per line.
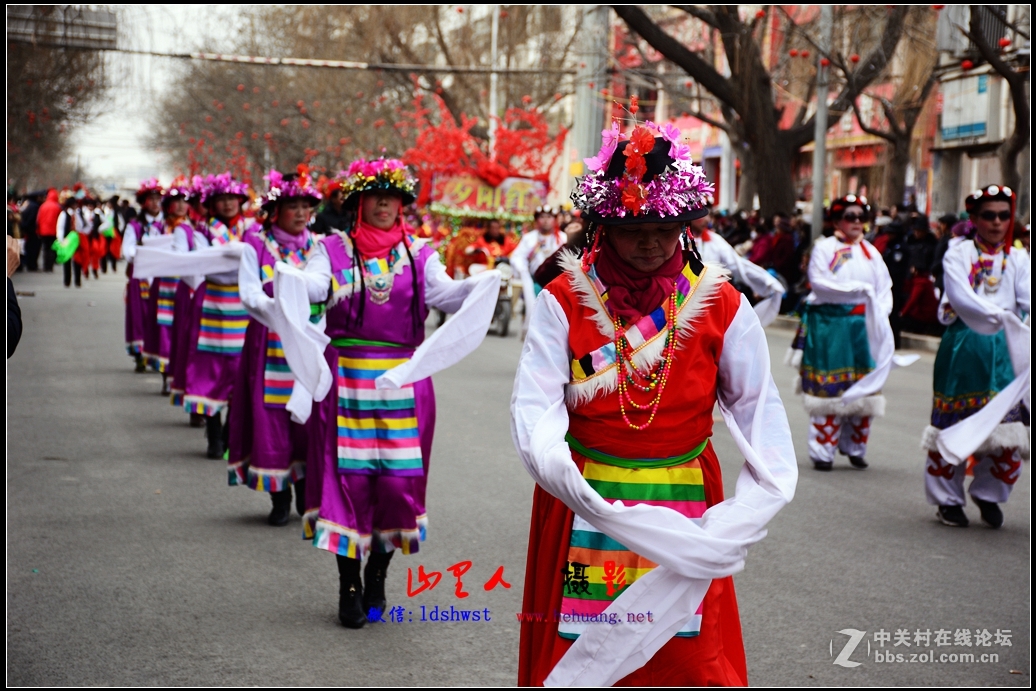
<point x="679" y="189"/>
<point x="281" y="187"/>
<point x="388" y="174"/>
<point x="224" y="183"/>
<point x="149" y="186"/>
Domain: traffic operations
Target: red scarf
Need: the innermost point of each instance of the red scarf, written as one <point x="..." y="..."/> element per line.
<point x="375" y="243"/>
<point x="633" y="293"/>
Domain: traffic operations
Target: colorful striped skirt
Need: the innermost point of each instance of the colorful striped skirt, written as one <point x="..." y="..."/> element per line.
<point x="215" y="343"/>
<point x="369" y="452"/>
<point x="223" y="320"/>
<point x="598" y="568"/>
<point x="267" y="451"/>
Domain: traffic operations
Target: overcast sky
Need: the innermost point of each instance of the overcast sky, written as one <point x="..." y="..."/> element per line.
<point x="114" y="145"/>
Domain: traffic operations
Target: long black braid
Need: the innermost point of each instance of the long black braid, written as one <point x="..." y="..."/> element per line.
<point x="357" y="267"/>
<point x="416" y="323"/>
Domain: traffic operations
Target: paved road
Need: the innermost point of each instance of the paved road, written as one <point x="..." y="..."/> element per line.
<point x="130" y="561"/>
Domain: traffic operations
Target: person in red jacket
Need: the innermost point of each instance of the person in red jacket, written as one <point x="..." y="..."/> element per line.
<point x="47" y="228"/>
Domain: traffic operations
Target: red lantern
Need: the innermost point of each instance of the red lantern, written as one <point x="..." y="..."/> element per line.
<point x="305" y="124"/>
<point x="854" y="57"/>
<point x="342" y="141"/>
<point x="804" y="53"/>
<point x="284" y="122"/>
<point x="219" y="106"/>
<point x="239" y="135"/>
<point x="760" y="14"/>
<point x="824" y="62"/>
<point x="316" y="104"/>
<point x="275" y="103"/>
<point x="255" y="135"/>
<point x="688" y="84"/>
<point x="793" y="53"/>
<point x="938" y="7"/>
<point x="526" y="99"/>
<point x="208" y="118"/>
<point x="966" y="65"/>
<point x="247" y="106"/>
<point x="300" y="104"/>
<point x="359" y="121"/>
<point x="1004" y="42"/>
<point x="240" y="87"/>
<point x="331" y="121"/>
<point x="255" y="89"/>
<point x="268" y="135"/>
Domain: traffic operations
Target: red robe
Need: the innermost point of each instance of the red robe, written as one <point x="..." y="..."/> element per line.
<point x="716" y="656"/>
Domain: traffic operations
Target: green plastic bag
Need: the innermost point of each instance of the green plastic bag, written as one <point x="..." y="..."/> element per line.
<point x="66" y="248"/>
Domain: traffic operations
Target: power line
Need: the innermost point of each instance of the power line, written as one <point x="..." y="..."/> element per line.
<point x="302" y="62"/>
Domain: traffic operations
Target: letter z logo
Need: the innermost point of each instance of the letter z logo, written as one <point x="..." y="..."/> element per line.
<point x="855" y="636"/>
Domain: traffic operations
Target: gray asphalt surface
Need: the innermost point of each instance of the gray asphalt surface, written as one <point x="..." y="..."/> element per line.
<point x="131" y="562"/>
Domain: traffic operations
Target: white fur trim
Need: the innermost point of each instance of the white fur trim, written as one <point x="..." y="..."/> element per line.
<point x="576" y="394"/>
<point x="793" y="358"/>
<point x="869" y="406"/>
<point x="1008" y="435"/>
<point x="704" y="292"/>
<point x="573" y="266"/>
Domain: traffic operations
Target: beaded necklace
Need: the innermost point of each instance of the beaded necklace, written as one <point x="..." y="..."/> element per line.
<point x="982" y="270"/>
<point x="651" y="379"/>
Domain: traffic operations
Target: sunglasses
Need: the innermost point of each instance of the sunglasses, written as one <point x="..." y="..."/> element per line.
<point x="853" y="218"/>
<point x="993" y="215"/>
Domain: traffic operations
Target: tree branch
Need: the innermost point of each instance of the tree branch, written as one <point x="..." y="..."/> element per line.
<point x="889" y="136"/>
<point x="858" y="80"/>
<point x="638" y="21"/>
<point x="699" y="13"/>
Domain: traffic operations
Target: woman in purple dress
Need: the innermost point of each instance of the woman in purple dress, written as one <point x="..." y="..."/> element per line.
<point x="218" y="319"/>
<point x="370" y="443"/>
<point x="267" y="449"/>
<point x="160" y="332"/>
<point x="148" y="223"/>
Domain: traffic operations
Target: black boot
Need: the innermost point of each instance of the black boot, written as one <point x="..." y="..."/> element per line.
<point x="165" y="385"/>
<point x="350" y="593"/>
<point x="374" y="582"/>
<point x="300" y="496"/>
<point x="281" y="507"/>
<point x="141" y="365"/>
<point x="197" y="420"/>
<point x="214" y="433"/>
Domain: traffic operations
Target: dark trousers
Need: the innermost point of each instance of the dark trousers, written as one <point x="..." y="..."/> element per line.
<point x="50" y="255"/>
<point x="70" y="268"/>
<point x="32" y="252"/>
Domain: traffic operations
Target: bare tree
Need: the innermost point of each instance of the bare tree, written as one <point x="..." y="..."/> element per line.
<point x="901" y="112"/>
<point x="251" y="117"/>
<point x="749" y="90"/>
<point x="1016" y="79"/>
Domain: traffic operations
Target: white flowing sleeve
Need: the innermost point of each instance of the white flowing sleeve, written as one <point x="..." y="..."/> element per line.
<point x="520" y="263"/>
<point x="883" y="280"/>
<point x="250" y="286"/>
<point x="981" y="316"/>
<point x="317" y="274"/>
<point x="1022" y="281"/>
<point x="180" y="241"/>
<point x="129" y="241"/>
<point x="826" y="285"/>
<point x="441" y="291"/>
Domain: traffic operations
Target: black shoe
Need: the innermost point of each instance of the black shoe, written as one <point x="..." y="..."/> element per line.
<point x="300" y="496"/>
<point x="858" y="462"/>
<point x="165" y="385"/>
<point x="952" y="516"/>
<point x="991" y="513"/>
<point x="141" y="365"/>
<point x="281" y="507"/>
<point x="214" y="433"/>
<point x="822" y="465"/>
<point x="350" y="594"/>
<point x="374" y="584"/>
<point x="197" y="420"/>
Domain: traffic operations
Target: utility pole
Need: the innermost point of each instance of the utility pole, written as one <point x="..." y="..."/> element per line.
<point x="820" y="132"/>
<point x="589" y="110"/>
<point x="493" y="106"/>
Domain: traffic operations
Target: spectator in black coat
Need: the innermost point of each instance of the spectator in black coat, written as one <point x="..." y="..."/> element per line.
<point x="28" y="227"/>
<point x="897" y="259"/>
<point x="333" y="216"/>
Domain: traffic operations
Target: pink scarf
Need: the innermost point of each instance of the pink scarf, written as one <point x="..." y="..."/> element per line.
<point x="633" y="293"/>
<point x="287" y="240"/>
<point x="375" y="243"/>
